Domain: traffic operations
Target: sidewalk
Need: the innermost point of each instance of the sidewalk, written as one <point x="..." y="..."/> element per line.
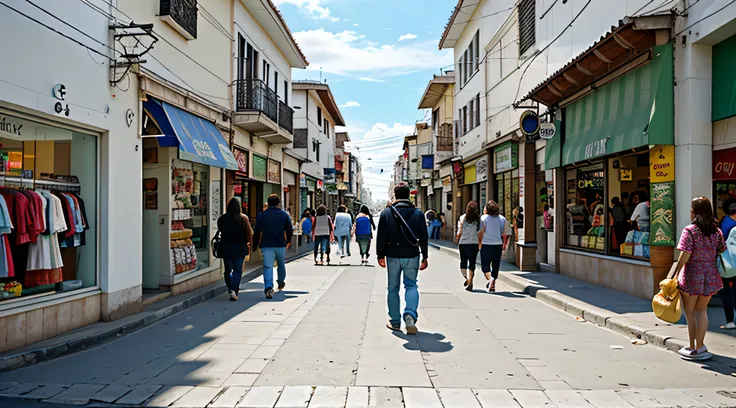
<point x="622" y="313"/>
<point x="103" y="332"/>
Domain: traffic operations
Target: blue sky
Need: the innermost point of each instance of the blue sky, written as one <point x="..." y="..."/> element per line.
<point x="377" y="57"/>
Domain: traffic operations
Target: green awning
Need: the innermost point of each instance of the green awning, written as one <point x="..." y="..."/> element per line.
<point x="552" y="152"/>
<point x="634" y="110"/>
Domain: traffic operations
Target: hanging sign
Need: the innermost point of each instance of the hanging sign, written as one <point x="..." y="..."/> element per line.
<point x="662" y="164"/>
<point x="458" y="171"/>
<point x="274" y="172"/>
<point x="529" y="123"/>
<point x="547" y="131"/>
<point x="241" y="157"/>
<point x="481" y="169"/>
<point x="506" y="156"/>
<point x="446" y="183"/>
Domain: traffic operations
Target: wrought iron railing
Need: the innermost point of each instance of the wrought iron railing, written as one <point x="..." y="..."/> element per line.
<point x="254" y="95"/>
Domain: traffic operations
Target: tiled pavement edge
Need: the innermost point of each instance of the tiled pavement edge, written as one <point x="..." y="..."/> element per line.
<point x="103" y="332"/>
<point x="364" y="397"/>
<point x="633" y="325"/>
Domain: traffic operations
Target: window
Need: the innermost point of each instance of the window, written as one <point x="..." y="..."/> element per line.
<point x="276" y="83"/>
<point x="465" y="119"/>
<point x="241" y="57"/>
<point x="319" y="116"/>
<point x="586" y="208"/>
<point x="477" y="110"/>
<point x="465" y="66"/>
<point x="317" y="149"/>
<point x="326" y="129"/>
<point x="471" y="115"/>
<point x="286" y="93"/>
<point x="265" y="74"/>
<point x="506" y="192"/>
<point x="61" y="167"/>
<point x="476" y="48"/>
<point x="461" y="69"/>
<point x="182" y="16"/>
<point x="527" y="25"/>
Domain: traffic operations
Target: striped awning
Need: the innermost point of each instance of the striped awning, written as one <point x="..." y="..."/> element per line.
<point x="632" y="111"/>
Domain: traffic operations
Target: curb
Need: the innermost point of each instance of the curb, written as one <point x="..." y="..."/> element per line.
<point x="602" y="317"/>
<point x="144" y="319"/>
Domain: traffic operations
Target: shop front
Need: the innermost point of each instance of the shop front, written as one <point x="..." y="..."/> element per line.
<point x="506" y="183"/>
<point x="616" y="167"/>
<point x="182" y="181"/>
<point x="475" y="177"/>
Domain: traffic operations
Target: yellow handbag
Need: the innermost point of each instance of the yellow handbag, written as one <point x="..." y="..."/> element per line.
<point x="667" y="304"/>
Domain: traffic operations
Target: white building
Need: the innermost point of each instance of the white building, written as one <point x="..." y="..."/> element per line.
<point x="316" y="115"/>
<point x="63" y="127"/>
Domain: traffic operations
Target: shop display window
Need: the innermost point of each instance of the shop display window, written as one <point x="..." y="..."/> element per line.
<point x="585" y="211"/>
<point x="629" y="210"/>
<point x="189" y="218"/>
<point x="48" y="210"/>
<point x="725" y="196"/>
<point x="507" y="192"/>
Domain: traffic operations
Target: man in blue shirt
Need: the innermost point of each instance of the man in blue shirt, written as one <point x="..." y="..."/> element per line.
<point x="273" y="234"/>
<point x="729" y="221"/>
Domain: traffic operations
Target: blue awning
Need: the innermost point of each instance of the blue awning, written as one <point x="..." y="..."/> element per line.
<point x="198" y="139"/>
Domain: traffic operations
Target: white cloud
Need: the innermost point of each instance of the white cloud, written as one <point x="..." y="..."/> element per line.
<point x="350" y="104"/>
<point x="356" y="25"/>
<point x="312" y="8"/>
<point x="348" y="53"/>
<point x="369" y="79"/>
<point x="407" y="37"/>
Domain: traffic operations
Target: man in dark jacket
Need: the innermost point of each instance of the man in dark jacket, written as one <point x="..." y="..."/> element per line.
<point x="273" y="234"/>
<point x="402" y="236"/>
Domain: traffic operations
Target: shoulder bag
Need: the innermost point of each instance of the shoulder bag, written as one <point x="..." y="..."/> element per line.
<point x="727" y="259"/>
<point x="404" y="227"/>
<point x="215" y="244"/>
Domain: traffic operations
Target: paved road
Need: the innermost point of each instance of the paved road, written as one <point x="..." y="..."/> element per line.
<point x="323" y="342"/>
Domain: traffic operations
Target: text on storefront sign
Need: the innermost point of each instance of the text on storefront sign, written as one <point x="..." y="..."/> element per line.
<point x="596" y="148"/>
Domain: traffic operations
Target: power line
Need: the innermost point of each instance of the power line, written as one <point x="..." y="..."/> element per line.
<point x="705" y="17"/>
<point x="57" y="32"/>
<point x="521" y="79"/>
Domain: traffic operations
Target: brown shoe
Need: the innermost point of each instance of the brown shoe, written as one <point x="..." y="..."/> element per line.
<point x="392" y="327"/>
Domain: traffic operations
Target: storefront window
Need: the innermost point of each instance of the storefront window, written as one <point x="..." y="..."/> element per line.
<point x="628" y="189"/>
<point x="189" y="218"/>
<point x="48" y="196"/>
<point x="507" y="192"/>
<point x="586" y="210"/>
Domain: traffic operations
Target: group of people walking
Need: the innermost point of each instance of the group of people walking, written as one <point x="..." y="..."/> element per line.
<point x="323" y="230"/>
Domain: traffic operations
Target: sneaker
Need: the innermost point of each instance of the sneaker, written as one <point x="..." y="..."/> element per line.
<point x="686" y="352"/>
<point x="411" y="327"/>
<point x="233" y="296"/>
<point x="729" y="326"/>
<point x="269" y="293"/>
<point x="282" y="285"/>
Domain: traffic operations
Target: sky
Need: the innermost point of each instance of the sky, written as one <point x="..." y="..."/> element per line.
<point x="377" y="56"/>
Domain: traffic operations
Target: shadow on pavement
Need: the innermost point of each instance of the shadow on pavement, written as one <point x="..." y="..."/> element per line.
<point x="425" y="342"/>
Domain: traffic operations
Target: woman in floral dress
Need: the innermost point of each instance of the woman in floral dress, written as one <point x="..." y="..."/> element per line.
<point x="697" y="273"/>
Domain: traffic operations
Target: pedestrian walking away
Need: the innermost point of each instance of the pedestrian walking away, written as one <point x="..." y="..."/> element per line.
<point x="363" y="231"/>
<point x="323" y="232"/>
<point x="306" y="226"/>
<point x="468" y="228"/>
<point x="235" y="237"/>
<point x="727" y="267"/>
<point x="492" y="241"/>
<point x="273" y="235"/>
<point x="343" y="230"/>
<point x="697" y="276"/>
<point x="402" y="237"/>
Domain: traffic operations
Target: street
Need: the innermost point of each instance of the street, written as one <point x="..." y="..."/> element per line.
<point x="322" y="342"/>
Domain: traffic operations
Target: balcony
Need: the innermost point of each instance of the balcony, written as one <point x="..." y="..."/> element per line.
<point x="258" y="110"/>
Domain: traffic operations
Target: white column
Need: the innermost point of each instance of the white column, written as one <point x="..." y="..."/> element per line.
<point x="693" y="128"/>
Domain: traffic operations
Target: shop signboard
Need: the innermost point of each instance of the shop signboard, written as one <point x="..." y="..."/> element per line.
<point x="274" y="172"/>
<point x="506" y="157"/>
<point x="320" y="185"/>
<point x="311" y="184"/>
<point x="446" y="184"/>
<point x="330" y="176"/>
<point x="724" y="163"/>
<point x="662" y="210"/>
<point x="259" y="167"/>
<point x="662" y="164"/>
<point x="241" y="157"/>
<point x="481" y="169"/>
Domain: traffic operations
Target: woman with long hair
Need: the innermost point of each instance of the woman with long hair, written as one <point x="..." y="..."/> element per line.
<point x="322" y="233"/>
<point x="343" y="230"/>
<point x="492" y="241"/>
<point x="467" y="240"/>
<point x="234" y="226"/>
<point x="363" y="230"/>
<point x="697" y="275"/>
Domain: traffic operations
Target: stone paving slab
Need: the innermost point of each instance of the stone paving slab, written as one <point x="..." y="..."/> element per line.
<point x="421" y="398"/>
<point x="261" y="397"/>
<point x="46" y="391"/>
<point x="605" y="399"/>
<point x="357" y="397"/>
<point x="294" y="397"/>
<point x="77" y="394"/>
<point x="229" y="398"/>
<point x="329" y="397"/>
<point x="496" y="398"/>
<point x="167" y="396"/>
<point x="197" y="397"/>
<point x="138" y="395"/>
<point x="112" y="393"/>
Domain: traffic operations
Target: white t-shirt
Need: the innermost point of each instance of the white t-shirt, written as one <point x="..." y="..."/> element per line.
<point x="641" y="215"/>
<point x="493" y="227"/>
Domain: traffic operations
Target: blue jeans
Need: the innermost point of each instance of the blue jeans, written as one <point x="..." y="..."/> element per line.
<point x="410" y="269"/>
<point x="322" y="241"/>
<point x="344" y="242"/>
<point x="269" y="256"/>
<point x="233" y="273"/>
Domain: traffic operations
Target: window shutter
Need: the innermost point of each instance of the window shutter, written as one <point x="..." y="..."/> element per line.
<point x="527" y="23"/>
